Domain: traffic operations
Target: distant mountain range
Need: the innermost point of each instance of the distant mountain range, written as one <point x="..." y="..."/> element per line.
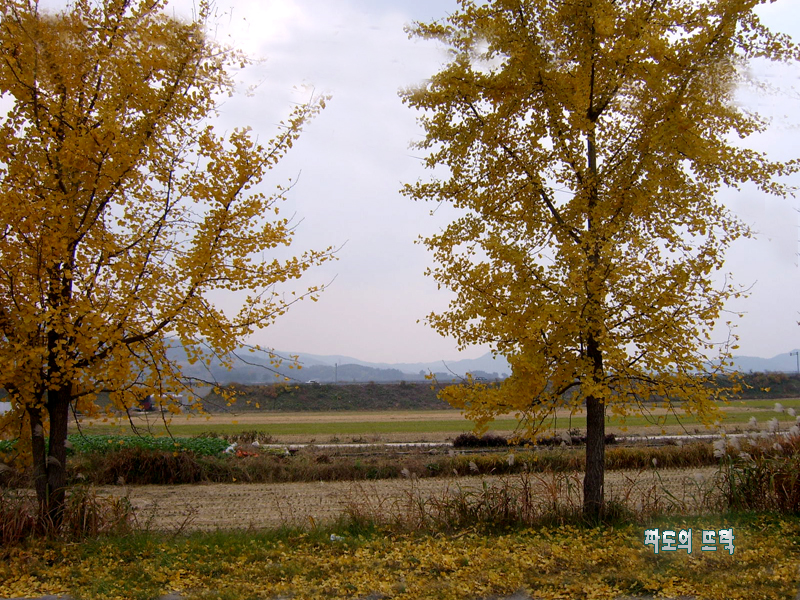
<point x="486" y="363"/>
<point x="786" y="363"/>
<point x="256" y="368"/>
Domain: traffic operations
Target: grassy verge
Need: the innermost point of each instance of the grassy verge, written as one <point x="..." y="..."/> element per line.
<point x="562" y="562"/>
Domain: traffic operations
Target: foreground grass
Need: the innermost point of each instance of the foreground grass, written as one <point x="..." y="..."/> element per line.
<point x="566" y="562"/>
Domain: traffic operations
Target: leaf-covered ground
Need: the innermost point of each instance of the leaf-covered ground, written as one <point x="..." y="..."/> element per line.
<point x="557" y="562"/>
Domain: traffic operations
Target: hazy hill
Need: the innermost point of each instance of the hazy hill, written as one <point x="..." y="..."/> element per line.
<point x="255" y="368"/>
<point x="486" y="363"/>
<point x="784" y="362"/>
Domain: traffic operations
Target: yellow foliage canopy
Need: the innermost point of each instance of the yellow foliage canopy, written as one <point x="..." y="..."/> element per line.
<point x="585" y="142"/>
<point x="121" y="209"/>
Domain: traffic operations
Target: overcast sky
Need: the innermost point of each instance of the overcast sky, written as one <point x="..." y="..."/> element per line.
<point x="353" y="158"/>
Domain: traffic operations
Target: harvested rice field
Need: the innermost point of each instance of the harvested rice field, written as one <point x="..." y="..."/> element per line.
<point x="207" y="507"/>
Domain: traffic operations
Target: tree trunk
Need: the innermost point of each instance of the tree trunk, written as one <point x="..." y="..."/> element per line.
<point x="38" y="452"/>
<point x="49" y="464"/>
<point x="59" y="397"/>
<point x="58" y="402"/>
<point x="593" y="482"/>
<point x="594" y="479"/>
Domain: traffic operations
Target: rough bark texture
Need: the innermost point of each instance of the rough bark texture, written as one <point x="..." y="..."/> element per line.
<point x="593" y="483"/>
<point x="38" y="452"/>
<point x="53" y="507"/>
<point x="49" y="463"/>
<point x="49" y="460"/>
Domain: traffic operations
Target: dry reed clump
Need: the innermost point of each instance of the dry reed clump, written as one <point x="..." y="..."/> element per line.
<point x="531" y="499"/>
<point x="142" y="466"/>
<point x="11" y="476"/>
<point x="86" y="515"/>
<point x="567" y="459"/>
<point x="761" y="472"/>
<point x="17" y="517"/>
<point x="693" y="454"/>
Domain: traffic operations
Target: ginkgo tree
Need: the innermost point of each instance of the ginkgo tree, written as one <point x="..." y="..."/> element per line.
<point x="122" y="213"/>
<point x="585" y="142"/>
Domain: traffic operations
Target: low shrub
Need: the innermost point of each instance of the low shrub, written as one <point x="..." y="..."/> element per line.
<point x="470" y="440"/>
<point x="490" y="440"/>
<point x="137" y="466"/>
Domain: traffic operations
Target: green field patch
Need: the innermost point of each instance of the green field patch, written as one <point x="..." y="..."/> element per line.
<point x="86" y="444"/>
<point x="766" y="404"/>
<point x="194" y="427"/>
<point x="729" y="419"/>
<point x="111" y="441"/>
<point x="315" y="429"/>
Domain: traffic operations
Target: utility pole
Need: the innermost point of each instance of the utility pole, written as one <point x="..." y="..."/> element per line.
<point x="336" y="372"/>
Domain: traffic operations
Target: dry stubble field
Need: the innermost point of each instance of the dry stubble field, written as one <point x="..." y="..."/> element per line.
<point x="208" y="507"/>
<point x="258" y="506"/>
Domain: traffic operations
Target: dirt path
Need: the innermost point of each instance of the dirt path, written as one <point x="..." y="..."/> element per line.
<point x="242" y="506"/>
